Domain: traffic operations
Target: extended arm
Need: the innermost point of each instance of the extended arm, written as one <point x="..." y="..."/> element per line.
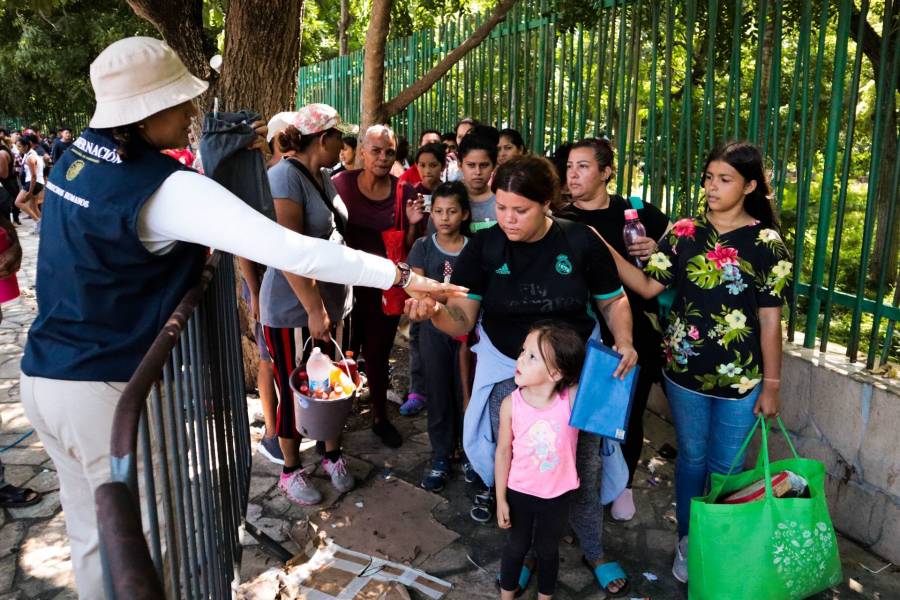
<point x="617" y="314"/>
<point x="502" y="461"/>
<point x="769" y="402"/>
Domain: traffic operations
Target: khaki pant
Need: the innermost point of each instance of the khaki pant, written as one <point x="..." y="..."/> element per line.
<point x="74" y="421"/>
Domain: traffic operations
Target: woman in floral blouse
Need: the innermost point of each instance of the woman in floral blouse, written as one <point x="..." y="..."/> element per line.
<point x="722" y="347"/>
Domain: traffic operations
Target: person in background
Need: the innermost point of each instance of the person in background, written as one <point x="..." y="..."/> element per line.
<point x="12" y="496"/>
<point x="305" y="202"/>
<point x="370" y="195"/>
<point x="8" y="181"/>
<point x="429" y="162"/>
<point x="33" y="169"/>
<point x="183" y="155"/>
<point x="510" y="146"/>
<point x="434" y="256"/>
<point x="61" y="144"/>
<point x="276" y="125"/>
<point x="401" y="162"/>
<point x="477" y="159"/>
<point x="590" y="168"/>
<point x="731" y="273"/>
<point x="253" y="274"/>
<point x="412" y="175"/>
<point x="347" y="155"/>
<point x="463" y="126"/>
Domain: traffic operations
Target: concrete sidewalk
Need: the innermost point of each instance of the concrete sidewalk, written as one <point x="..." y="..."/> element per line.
<point x="34" y="554"/>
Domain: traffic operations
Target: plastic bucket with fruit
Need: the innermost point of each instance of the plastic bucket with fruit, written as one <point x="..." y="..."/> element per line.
<point x="321" y="415"/>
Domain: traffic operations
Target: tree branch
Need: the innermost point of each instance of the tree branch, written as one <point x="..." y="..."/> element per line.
<point x="424" y="83"/>
<point x="871" y="41"/>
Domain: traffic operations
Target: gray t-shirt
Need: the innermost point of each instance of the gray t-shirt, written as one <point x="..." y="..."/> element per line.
<point x="279" y="306"/>
<point x="484" y="213"/>
<point x="427" y="254"/>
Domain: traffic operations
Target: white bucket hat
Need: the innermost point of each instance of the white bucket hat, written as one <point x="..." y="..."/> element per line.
<point x="137" y="77"/>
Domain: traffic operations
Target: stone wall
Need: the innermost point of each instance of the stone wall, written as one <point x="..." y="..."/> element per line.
<point x="849" y="420"/>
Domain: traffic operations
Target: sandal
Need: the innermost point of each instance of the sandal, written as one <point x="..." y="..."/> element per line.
<point x="18" y="497"/>
<point x="524" y="580"/>
<point x="608" y="572"/>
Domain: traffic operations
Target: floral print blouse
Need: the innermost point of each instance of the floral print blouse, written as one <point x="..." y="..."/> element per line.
<point x="712" y="340"/>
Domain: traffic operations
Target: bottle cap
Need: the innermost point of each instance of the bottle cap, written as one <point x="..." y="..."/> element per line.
<point x="631" y="214"/>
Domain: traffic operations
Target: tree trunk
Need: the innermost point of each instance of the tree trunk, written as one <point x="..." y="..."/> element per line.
<point x="343" y="27"/>
<point x="884" y="192"/>
<point x="768" y="51"/>
<point x="375" y="109"/>
<point x="181" y="25"/>
<point x="262" y="55"/>
<point x="373" y="65"/>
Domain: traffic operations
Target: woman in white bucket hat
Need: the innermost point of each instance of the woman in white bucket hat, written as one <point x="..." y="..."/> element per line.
<point x="125" y="233"/>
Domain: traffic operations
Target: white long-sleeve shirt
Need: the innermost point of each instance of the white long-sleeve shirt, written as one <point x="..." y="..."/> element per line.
<point x="190" y="207"/>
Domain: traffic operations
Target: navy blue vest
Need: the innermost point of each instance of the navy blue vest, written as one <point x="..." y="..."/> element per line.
<point x="102" y="296"/>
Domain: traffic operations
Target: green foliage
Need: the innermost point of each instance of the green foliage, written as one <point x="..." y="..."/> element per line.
<point x="46" y="48"/>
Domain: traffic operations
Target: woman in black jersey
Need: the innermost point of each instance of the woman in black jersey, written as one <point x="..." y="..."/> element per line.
<point x="589" y="170"/>
<point x="528" y="268"/>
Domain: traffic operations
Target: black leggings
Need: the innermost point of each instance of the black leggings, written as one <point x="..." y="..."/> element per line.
<point x="373" y="333"/>
<point x="544" y="518"/>
<point x="634" y="439"/>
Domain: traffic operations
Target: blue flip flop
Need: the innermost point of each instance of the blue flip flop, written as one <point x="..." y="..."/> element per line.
<point x="609" y="572"/>
<point x="524" y="580"/>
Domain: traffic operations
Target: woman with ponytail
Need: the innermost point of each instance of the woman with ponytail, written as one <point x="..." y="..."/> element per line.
<point x="722" y="347"/>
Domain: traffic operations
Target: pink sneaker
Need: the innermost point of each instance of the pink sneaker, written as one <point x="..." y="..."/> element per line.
<point x="341" y="478"/>
<point x="298" y="489"/>
<point x="623" y="506"/>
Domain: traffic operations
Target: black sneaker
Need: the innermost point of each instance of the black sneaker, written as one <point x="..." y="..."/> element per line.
<point x="269" y="447"/>
<point x="469" y="472"/>
<point x="483" y="508"/>
<point x="388" y="434"/>
<point x="437" y="477"/>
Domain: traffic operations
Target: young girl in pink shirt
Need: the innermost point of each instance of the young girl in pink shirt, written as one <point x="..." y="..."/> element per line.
<point x="534" y="466"/>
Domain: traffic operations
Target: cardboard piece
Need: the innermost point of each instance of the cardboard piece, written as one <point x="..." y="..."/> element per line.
<point x="336" y="573"/>
<point x="394" y="523"/>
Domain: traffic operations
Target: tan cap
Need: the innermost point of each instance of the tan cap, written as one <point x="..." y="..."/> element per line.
<point x="137" y="77"/>
<point x="316" y="118"/>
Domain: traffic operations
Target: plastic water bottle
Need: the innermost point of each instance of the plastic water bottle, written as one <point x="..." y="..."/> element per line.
<point x="632" y="231"/>
<point x="318" y="367"/>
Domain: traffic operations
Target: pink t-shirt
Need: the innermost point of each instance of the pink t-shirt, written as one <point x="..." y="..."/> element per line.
<point x="543" y="448"/>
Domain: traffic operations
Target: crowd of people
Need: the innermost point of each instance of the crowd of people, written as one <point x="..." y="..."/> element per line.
<point x="511" y="262"/>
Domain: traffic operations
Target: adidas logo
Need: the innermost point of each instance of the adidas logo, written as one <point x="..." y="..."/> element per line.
<point x="503" y="270"/>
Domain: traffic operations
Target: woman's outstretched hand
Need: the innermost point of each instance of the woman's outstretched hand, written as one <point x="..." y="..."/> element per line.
<point x="421" y="309"/>
<point x="420" y="287"/>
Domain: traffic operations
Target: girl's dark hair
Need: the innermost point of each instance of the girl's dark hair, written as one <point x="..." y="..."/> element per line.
<point x="402" y="149"/>
<point x="566" y="350"/>
<point x="349" y="140"/>
<point x="292" y="140"/>
<point x="448" y="137"/>
<point x="514" y="136"/>
<point x="473" y="142"/>
<point x="747" y="159"/>
<point x="603" y="153"/>
<point x="457" y="190"/>
<point x="533" y="177"/>
<point x="437" y="150"/>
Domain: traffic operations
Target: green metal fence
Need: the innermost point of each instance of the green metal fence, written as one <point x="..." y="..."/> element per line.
<point x="76" y="121"/>
<point x="665" y="80"/>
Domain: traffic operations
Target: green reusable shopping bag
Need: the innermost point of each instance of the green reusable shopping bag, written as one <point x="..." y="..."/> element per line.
<point x="772" y="549"/>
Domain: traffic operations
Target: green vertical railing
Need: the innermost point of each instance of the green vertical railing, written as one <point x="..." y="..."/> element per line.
<point x="665" y="80"/>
